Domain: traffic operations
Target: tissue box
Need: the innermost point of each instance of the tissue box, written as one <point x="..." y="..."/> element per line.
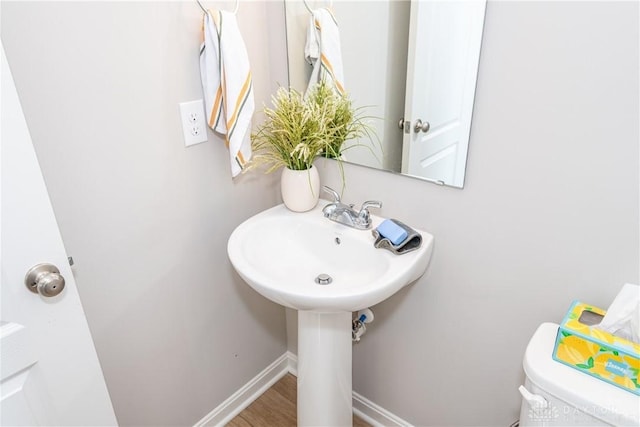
<point x="595" y="352"/>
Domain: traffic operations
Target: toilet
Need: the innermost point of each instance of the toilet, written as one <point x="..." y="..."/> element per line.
<point x="556" y="395"/>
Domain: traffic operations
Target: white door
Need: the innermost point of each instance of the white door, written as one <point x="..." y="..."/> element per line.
<point x="444" y="50"/>
<point x="49" y="370"/>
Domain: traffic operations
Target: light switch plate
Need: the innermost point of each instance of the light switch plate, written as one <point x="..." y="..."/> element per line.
<point x="194" y="123"/>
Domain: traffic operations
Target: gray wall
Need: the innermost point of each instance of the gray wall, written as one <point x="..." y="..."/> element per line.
<point x="146" y="220"/>
<point x="549" y="213"/>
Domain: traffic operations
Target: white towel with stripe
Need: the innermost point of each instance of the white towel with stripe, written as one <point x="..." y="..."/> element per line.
<point x="227" y="86"/>
<point x="323" y="50"/>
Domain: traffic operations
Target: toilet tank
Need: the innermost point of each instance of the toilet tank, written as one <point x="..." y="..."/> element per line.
<point x="557" y="395"/>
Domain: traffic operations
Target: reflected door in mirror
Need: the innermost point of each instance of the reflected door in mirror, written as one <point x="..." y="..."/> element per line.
<point x="444" y="38"/>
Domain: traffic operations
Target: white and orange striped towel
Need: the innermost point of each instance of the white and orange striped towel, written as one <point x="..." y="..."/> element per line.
<point x="226" y="81"/>
<point x="323" y="50"/>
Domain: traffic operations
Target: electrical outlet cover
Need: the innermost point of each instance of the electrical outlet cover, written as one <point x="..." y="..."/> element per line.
<point x="194" y="123"/>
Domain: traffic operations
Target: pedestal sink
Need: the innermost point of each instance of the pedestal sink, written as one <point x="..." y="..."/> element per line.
<point x="283" y="255"/>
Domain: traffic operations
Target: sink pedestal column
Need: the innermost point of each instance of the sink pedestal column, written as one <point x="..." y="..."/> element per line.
<point x="324" y="369"/>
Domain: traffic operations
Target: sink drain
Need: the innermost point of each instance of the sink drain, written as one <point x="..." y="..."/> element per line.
<point x="323" y="279"/>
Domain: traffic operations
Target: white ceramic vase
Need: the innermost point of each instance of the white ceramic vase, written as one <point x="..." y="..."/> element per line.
<point x="300" y="189"/>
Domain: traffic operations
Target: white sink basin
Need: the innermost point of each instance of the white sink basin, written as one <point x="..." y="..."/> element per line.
<point x="279" y="253"/>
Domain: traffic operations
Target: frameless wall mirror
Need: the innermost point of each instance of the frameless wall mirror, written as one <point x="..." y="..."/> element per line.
<point x="414" y="64"/>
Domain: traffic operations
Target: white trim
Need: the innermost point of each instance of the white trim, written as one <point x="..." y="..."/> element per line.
<point x="375" y="415"/>
<point x="293" y="363"/>
<point x="288" y="363"/>
<point x="242" y="398"/>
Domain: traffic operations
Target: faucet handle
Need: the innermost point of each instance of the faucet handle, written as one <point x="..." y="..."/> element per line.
<point x="371" y="204"/>
<point x="334" y="193"/>
<point x="364" y="217"/>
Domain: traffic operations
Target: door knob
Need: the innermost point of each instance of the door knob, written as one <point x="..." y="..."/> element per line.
<point x="44" y="279"/>
<point x="420" y="126"/>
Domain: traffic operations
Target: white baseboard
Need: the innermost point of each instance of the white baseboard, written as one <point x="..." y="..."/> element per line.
<point x="293" y="363"/>
<point x="375" y="415"/>
<point x="242" y="398"/>
<point x="288" y="363"/>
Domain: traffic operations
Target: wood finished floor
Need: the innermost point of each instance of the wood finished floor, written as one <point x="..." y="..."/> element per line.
<point x="276" y="408"/>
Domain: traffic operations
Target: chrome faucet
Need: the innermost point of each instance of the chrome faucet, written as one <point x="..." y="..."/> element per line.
<point x="345" y="214"/>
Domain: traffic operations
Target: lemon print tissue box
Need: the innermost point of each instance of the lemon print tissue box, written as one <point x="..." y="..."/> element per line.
<point x="595" y="352"/>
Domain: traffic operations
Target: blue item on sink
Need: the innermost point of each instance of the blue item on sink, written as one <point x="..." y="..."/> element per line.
<point x="408" y="241"/>
<point x="392" y="231"/>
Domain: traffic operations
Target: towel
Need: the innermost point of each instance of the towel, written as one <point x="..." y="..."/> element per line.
<point x="227" y="86"/>
<point x="323" y="50"/>
<point x="411" y="243"/>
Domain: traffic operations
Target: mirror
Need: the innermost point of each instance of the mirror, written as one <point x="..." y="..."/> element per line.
<point x="414" y="65"/>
